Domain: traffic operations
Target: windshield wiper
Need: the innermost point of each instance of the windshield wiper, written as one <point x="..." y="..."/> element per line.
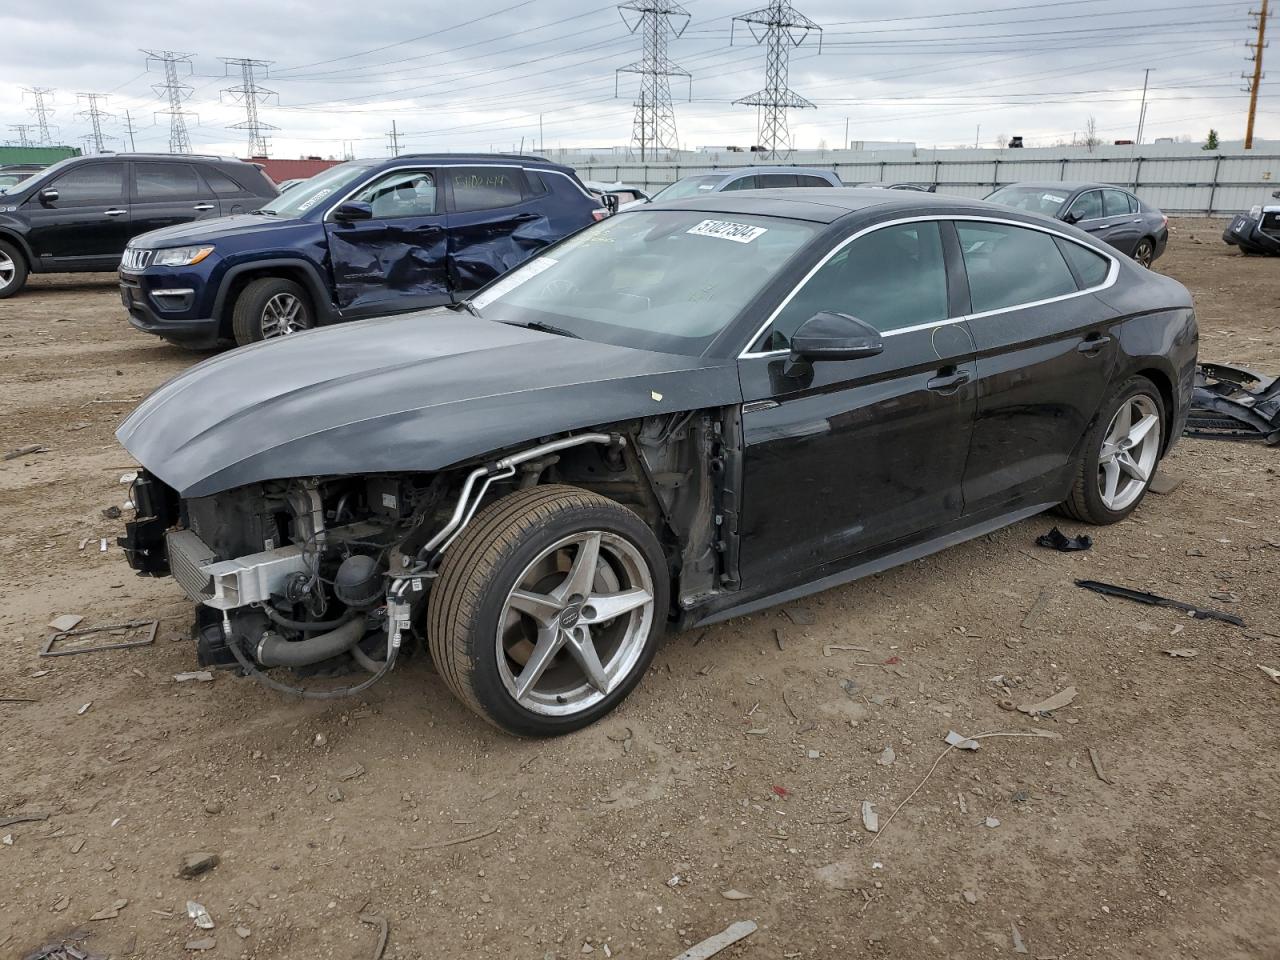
<point x="468" y="306"/>
<point x="548" y="328"/>
<point x="265" y="212"/>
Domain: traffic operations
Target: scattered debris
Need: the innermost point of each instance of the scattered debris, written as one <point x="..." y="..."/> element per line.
<point x="1018" y="945"/>
<point x="111" y="513"/>
<point x="1055" y="539"/>
<point x="69" y="650"/>
<point x="969" y="896"/>
<point x="800" y="616"/>
<point x="480" y="835"/>
<point x="726" y="938"/>
<point x="65" y="622"/>
<point x="335" y="795"/>
<point x="243" y="932"/>
<point x="204" y="943"/>
<point x="780" y="791"/>
<point x="736" y="895"/>
<point x="84" y="709"/>
<point x="964" y="807"/>
<point x="194" y="864"/>
<point x="1186" y="652"/>
<point x="1037" y="610"/>
<point x="200" y="915"/>
<point x="1059" y="700"/>
<point x="352" y="773"/>
<point x="887" y="756"/>
<point x="1233" y="403"/>
<point x="961" y="741"/>
<point x="1164" y="483"/>
<point x="1154" y="600"/>
<point x="384" y="931"/>
<point x="778" y="638"/>
<point x="870" y="819"/>
<point x="830" y="648"/>
<point x="991" y="822"/>
<point x="24" y="451"/>
<point x="111" y="912"/>
<point x="1096" y="759"/>
<point x="203" y="676"/>
<point x="1271" y="672"/>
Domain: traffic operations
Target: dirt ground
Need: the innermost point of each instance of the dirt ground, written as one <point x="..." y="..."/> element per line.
<point x="740" y="763"/>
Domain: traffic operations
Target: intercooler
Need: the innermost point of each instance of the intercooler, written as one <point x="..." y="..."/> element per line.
<point x="187" y="555"/>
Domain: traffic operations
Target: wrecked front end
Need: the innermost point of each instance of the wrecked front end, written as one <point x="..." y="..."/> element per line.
<point x="1233" y="403"/>
<point x="1256" y="231"/>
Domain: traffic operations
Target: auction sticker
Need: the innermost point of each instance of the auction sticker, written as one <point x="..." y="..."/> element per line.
<point x="1053" y="198"/>
<point x="725" y="230"/>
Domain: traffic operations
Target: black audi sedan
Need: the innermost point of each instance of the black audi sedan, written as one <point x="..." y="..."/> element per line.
<point x="685" y="413"/>
<point x="1113" y="215"/>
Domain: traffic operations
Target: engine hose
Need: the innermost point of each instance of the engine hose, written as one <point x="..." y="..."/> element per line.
<point x="313" y="626"/>
<point x="233" y="643"/>
<point x="366" y="661"/>
<point x="276" y="651"/>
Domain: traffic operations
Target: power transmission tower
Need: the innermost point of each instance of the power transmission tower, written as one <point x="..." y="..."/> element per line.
<point x="655" y="121"/>
<point x="128" y="128"/>
<point x="251" y="94"/>
<point x="95" y="115"/>
<point x="21" y="129"/>
<point x="41" y="111"/>
<point x="784" y="27"/>
<point x="1255" y="81"/>
<point x="176" y="92"/>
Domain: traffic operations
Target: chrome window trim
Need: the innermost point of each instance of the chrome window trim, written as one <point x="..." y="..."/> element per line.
<point x="447" y="166"/>
<point x="1112" y="274"/>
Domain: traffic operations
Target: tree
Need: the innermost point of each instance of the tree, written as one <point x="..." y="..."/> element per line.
<point x="1091" y="138"/>
<point x="1211" y="141"/>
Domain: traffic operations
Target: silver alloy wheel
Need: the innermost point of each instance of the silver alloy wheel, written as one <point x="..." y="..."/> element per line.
<point x="1129" y="453"/>
<point x="575" y="623"/>
<point x="282" y="315"/>
<point x="1145" y="254"/>
<point x="8" y="270"/>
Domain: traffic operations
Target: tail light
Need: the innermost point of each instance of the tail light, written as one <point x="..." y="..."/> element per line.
<point x="599" y="213"/>
<point x="1164" y="219"/>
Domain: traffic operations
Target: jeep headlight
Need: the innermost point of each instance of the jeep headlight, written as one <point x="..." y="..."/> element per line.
<point x="180" y="256"/>
<point x="1255" y="212"/>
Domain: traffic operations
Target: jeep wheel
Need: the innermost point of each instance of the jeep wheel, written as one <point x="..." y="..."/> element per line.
<point x="548" y="609"/>
<point x="270" y="307"/>
<point x="13" y="270"/>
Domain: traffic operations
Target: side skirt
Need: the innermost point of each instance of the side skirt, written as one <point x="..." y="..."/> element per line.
<point x="708" y="615"/>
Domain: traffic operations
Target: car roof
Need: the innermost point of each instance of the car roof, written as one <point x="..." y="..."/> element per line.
<point x="519" y="159"/>
<point x="815" y="204"/>
<point x="108" y="155"/>
<point x="1069" y="185"/>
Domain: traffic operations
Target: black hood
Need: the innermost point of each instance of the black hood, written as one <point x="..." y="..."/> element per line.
<point x="218" y="228"/>
<point x="417" y="392"/>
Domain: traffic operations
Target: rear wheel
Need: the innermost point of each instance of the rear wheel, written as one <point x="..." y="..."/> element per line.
<point x="1145" y="251"/>
<point x="270" y="307"/>
<point x="13" y="270"/>
<point x="548" y="609"/>
<point x="1120" y="454"/>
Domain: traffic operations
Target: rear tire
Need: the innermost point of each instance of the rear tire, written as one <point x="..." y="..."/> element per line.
<point x="548" y="609"/>
<point x="13" y="270"/>
<point x="1145" y="252"/>
<point x="1116" y="464"/>
<point x="270" y="307"/>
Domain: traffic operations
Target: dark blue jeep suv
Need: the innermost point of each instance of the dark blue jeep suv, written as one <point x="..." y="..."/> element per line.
<point x="365" y="238"/>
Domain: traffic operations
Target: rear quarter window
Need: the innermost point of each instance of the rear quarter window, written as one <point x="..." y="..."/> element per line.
<point x="221" y="184"/>
<point x="1089" y="266"/>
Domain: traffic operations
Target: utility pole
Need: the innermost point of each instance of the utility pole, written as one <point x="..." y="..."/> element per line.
<point x="846" y="134"/>
<point x="542" y="144"/>
<point x="24" y="140"/>
<point x="41" y="111"/>
<point x="95" y="115"/>
<point x="977" y="137"/>
<point x="176" y="92"/>
<point x="1255" y="83"/>
<point x="655" y="119"/>
<point x="251" y="94"/>
<point x="128" y="126"/>
<point x="1142" y="110"/>
<point x="393" y="139"/>
<point x="783" y="27"/>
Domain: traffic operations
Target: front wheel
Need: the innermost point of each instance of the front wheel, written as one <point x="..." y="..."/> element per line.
<point x="13" y="270"/>
<point x="270" y="307"/>
<point x="1120" y="454"/>
<point x="548" y="609"/>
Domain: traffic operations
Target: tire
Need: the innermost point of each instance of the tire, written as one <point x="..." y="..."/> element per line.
<point x="1145" y="252"/>
<point x="530" y="539"/>
<point x="13" y="270"/>
<point x="270" y="307"/>
<point x="1088" y="500"/>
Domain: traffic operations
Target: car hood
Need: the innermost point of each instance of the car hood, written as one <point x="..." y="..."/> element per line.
<point x="416" y="392"/>
<point x="208" y="231"/>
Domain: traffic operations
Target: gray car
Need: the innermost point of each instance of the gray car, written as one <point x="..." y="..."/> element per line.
<point x="1111" y="214"/>
<point x="747" y="178"/>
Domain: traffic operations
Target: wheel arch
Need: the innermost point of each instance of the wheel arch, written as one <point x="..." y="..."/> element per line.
<point x="1164" y="383"/>
<point x="15" y="239"/>
<point x="299" y="271"/>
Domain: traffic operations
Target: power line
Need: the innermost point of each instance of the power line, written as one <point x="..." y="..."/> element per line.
<point x="1255" y="83"/>
<point x="655" y="118"/>
<point x="251" y="94"/>
<point x="41" y="111"/>
<point x="784" y="27"/>
<point x="95" y="115"/>
<point x="176" y="92"/>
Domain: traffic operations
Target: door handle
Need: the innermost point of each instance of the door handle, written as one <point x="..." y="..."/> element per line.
<point x="945" y="383"/>
<point x="203" y="206"/>
<point x="114" y="212"/>
<point x="1092" y="345"/>
<point x="526" y="217"/>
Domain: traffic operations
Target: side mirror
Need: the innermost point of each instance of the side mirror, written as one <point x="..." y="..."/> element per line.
<point x="353" y="210"/>
<point x="1071" y="217"/>
<point x="610" y="201"/>
<point x="833" y="336"/>
<point x="48" y="195"/>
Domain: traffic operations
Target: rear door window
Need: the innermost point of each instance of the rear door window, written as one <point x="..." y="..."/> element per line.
<point x="1011" y="266"/>
<point x="485" y="188"/>
<point x="743" y="183"/>
<point x="92" y="184"/>
<point x="769" y="181"/>
<point x="155" y="182"/>
<point x="1115" y="203"/>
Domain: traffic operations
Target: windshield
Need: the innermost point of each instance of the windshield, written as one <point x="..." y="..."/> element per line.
<point x="305" y="195"/>
<point x="662" y="280"/>
<point x="1043" y="200"/>
<point x="691" y="186"/>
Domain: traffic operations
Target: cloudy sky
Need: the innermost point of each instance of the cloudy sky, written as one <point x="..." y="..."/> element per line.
<point x="480" y="75"/>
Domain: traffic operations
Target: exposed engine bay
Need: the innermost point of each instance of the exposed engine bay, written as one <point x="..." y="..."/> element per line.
<point x="324" y="575"/>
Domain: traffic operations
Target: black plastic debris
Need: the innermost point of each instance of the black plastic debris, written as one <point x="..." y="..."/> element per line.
<point x="1055" y="539"/>
<point x="1232" y="403"/>
<point x="1155" y="600"/>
